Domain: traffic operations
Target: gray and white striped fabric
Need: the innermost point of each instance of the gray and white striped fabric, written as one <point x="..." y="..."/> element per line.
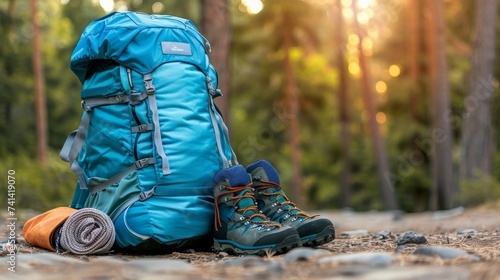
<point x="88" y="231"/>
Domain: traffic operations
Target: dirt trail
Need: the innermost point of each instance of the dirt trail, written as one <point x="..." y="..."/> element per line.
<point x="481" y="239"/>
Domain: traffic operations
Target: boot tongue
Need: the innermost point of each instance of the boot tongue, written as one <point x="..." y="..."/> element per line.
<point x="265" y="171"/>
<point x="247" y="202"/>
<point x="268" y="173"/>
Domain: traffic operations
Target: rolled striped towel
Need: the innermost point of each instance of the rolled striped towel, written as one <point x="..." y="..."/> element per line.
<point x="88" y="231"/>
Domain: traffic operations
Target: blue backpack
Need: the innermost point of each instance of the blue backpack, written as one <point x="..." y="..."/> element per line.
<point x="151" y="137"/>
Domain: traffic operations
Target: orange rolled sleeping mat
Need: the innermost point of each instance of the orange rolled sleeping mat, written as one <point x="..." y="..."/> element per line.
<point x="38" y="231"/>
<point x="85" y="231"/>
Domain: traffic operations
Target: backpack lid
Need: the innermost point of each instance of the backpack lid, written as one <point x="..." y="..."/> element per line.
<point x="141" y="42"/>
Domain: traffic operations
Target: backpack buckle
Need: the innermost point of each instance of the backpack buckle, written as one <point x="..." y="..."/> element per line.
<point x="120" y="98"/>
<point x="145" y="195"/>
<point x="142" y="163"/>
<point x="148" y="84"/>
<point x="85" y="107"/>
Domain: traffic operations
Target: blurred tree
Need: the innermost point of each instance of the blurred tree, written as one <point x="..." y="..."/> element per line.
<point x="261" y="105"/>
<point x="386" y="186"/>
<point x="41" y="111"/>
<point x="477" y="145"/>
<point x="442" y="138"/>
<point x="216" y="28"/>
<point x="292" y="100"/>
<point x="414" y="42"/>
<point x="345" y="184"/>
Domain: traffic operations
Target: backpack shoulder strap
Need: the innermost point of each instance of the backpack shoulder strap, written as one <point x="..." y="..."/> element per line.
<point x="72" y="147"/>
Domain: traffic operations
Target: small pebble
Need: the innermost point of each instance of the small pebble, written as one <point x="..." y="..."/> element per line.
<point x="384" y="234"/>
<point x="352" y="233"/>
<point x="403" y="248"/>
<point x="7" y="248"/>
<point x="245" y="261"/>
<point x="443" y="252"/>
<point x="370" y="258"/>
<point x="411" y="237"/>
<point x="222" y="255"/>
<point x="466" y="231"/>
<point x="304" y="254"/>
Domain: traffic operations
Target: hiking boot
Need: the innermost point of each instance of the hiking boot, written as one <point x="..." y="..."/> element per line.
<point x="239" y="227"/>
<point x="272" y="202"/>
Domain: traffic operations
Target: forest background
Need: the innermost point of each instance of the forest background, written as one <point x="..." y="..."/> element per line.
<point x="362" y="104"/>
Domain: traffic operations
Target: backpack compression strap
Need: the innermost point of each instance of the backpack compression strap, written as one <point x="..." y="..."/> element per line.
<point x="213" y="110"/>
<point x="76" y="140"/>
<point x="150" y="90"/>
<point x="72" y="147"/>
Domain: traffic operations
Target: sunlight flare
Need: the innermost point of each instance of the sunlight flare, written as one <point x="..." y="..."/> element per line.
<point x="253" y="6"/>
<point x="381" y="117"/>
<point x="381" y="87"/>
<point x="107" y="5"/>
<point x="394" y="70"/>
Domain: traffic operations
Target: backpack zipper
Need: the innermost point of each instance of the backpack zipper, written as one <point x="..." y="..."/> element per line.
<point x="134" y="114"/>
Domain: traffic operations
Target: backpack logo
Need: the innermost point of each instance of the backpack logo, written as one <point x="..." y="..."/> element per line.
<point x="175" y="48"/>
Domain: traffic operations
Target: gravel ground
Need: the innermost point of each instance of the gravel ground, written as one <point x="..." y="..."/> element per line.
<point x="356" y="253"/>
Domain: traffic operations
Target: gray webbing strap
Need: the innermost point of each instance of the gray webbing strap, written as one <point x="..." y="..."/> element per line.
<point x="141" y="128"/>
<point x="150" y="90"/>
<point x="234" y="159"/>
<point x="99" y="101"/>
<point x="225" y="163"/>
<point x="72" y="147"/>
<point x="115" y="179"/>
<point x="76" y="139"/>
<point x="162" y="191"/>
<point x="66" y="149"/>
<point x="75" y="167"/>
<point x="211" y="91"/>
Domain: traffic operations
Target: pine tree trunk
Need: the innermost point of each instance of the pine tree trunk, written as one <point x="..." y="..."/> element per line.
<point x="442" y="138"/>
<point x="414" y="41"/>
<point x="382" y="166"/>
<point x="293" y="111"/>
<point x="41" y="114"/>
<point x="7" y="117"/>
<point x="12" y="8"/>
<point x="217" y="29"/>
<point x="413" y="55"/>
<point x="345" y="184"/>
<point x="476" y="147"/>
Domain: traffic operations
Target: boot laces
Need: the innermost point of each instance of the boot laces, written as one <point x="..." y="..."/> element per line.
<point x="291" y="208"/>
<point x="263" y="221"/>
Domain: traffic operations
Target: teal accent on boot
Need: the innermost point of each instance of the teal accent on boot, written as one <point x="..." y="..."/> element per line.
<point x="272" y="201"/>
<point x="239" y="227"/>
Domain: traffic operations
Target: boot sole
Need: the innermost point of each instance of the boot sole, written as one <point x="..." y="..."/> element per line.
<point x="325" y="236"/>
<point x="284" y="246"/>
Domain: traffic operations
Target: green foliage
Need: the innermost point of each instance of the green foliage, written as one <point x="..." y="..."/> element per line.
<point x="36" y="187"/>
<point x="258" y="112"/>
<point x="482" y="190"/>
